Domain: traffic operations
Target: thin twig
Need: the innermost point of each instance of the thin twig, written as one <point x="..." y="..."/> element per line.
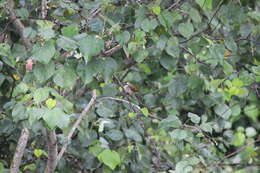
<point x="122" y="100"/>
<point x="204" y="30"/>
<point x="239" y="164"/>
<point x="241" y="149"/>
<point x="112" y="50"/>
<point x="22" y="142"/>
<point x="76" y="124"/>
<point x="235" y="152"/>
<point x="177" y="4"/>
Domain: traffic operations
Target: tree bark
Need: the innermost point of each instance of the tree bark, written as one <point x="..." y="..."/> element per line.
<point x="52" y="151"/>
<point x="22" y="142"/>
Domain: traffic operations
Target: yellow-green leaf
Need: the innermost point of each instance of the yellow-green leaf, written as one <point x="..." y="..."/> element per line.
<point x="145" y="111"/>
<point x="50" y="103"/>
<point x="156" y="9"/>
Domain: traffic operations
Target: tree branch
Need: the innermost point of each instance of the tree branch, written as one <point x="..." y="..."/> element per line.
<point x="76" y="124"/>
<point x="22" y="142"/>
<point x="112" y="50"/>
<point x="17" y="24"/>
<point x="177" y="4"/>
<point x="52" y="151"/>
<point x="44" y="10"/>
<point x="241" y="149"/>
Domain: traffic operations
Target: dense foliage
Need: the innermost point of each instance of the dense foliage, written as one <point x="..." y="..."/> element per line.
<point x="195" y="65"/>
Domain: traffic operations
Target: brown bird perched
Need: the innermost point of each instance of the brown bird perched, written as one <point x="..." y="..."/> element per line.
<point x="130" y="88"/>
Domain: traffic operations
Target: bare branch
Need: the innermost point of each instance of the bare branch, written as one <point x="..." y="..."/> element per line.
<point x="112" y="50"/>
<point x="76" y="124"/>
<point x="122" y="100"/>
<point x="18" y="24"/>
<point x="234" y="153"/>
<point x="241" y="149"/>
<point x="52" y="151"/>
<point x="177" y="4"/>
<point x="44" y="10"/>
<point x="22" y="142"/>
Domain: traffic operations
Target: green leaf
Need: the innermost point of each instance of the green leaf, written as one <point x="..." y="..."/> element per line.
<point x="252" y="111"/>
<point x="141" y="55"/>
<point x="186" y="29"/>
<point x="166" y="19"/>
<point x="145" y="68"/>
<point x="207" y="127"/>
<point x="195" y="82"/>
<point x="110" y="90"/>
<point x="35" y="114"/>
<point x="149" y="25"/>
<point x="239" y="139"/>
<point x="228" y="69"/>
<point x="38" y="152"/>
<point x="67" y="43"/>
<point x="223" y="111"/>
<point x="145" y="111"/>
<point x="183" y="167"/>
<point x="115" y="135"/>
<point x="237" y="82"/>
<point x="96" y="24"/>
<point x="5" y="49"/>
<point x="43" y="72"/>
<point x="29" y="33"/>
<point x="161" y="44"/>
<point x="256" y="70"/>
<point x="70" y="31"/>
<point x="31" y="167"/>
<point x="156" y="9"/>
<point x="106" y="109"/>
<point x="109" y="66"/>
<point x="1" y="167"/>
<point x="40" y="95"/>
<point x="132" y="114"/>
<point x="171" y="121"/>
<point x="2" y="79"/>
<point x="46" y="33"/>
<point x="44" y="53"/>
<point x="65" y="77"/>
<point x="194" y="117"/>
<point x="110" y="158"/>
<point x="45" y="23"/>
<point x="172" y="47"/>
<point x="205" y="3"/>
<point x="236" y="110"/>
<point x="56" y="118"/>
<point x="178" y="86"/>
<point x="22" y="87"/>
<point x="50" y="103"/>
<point x="19" y="112"/>
<point x="90" y="46"/>
<point x="133" y="134"/>
<point x="195" y="15"/>
<point x="250" y="132"/>
<point x="87" y="72"/>
<point x="123" y="37"/>
<point x="231" y="44"/>
<point x="168" y="62"/>
<point x="179" y="134"/>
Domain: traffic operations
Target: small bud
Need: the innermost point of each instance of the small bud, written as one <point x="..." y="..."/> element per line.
<point x="29" y="64"/>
